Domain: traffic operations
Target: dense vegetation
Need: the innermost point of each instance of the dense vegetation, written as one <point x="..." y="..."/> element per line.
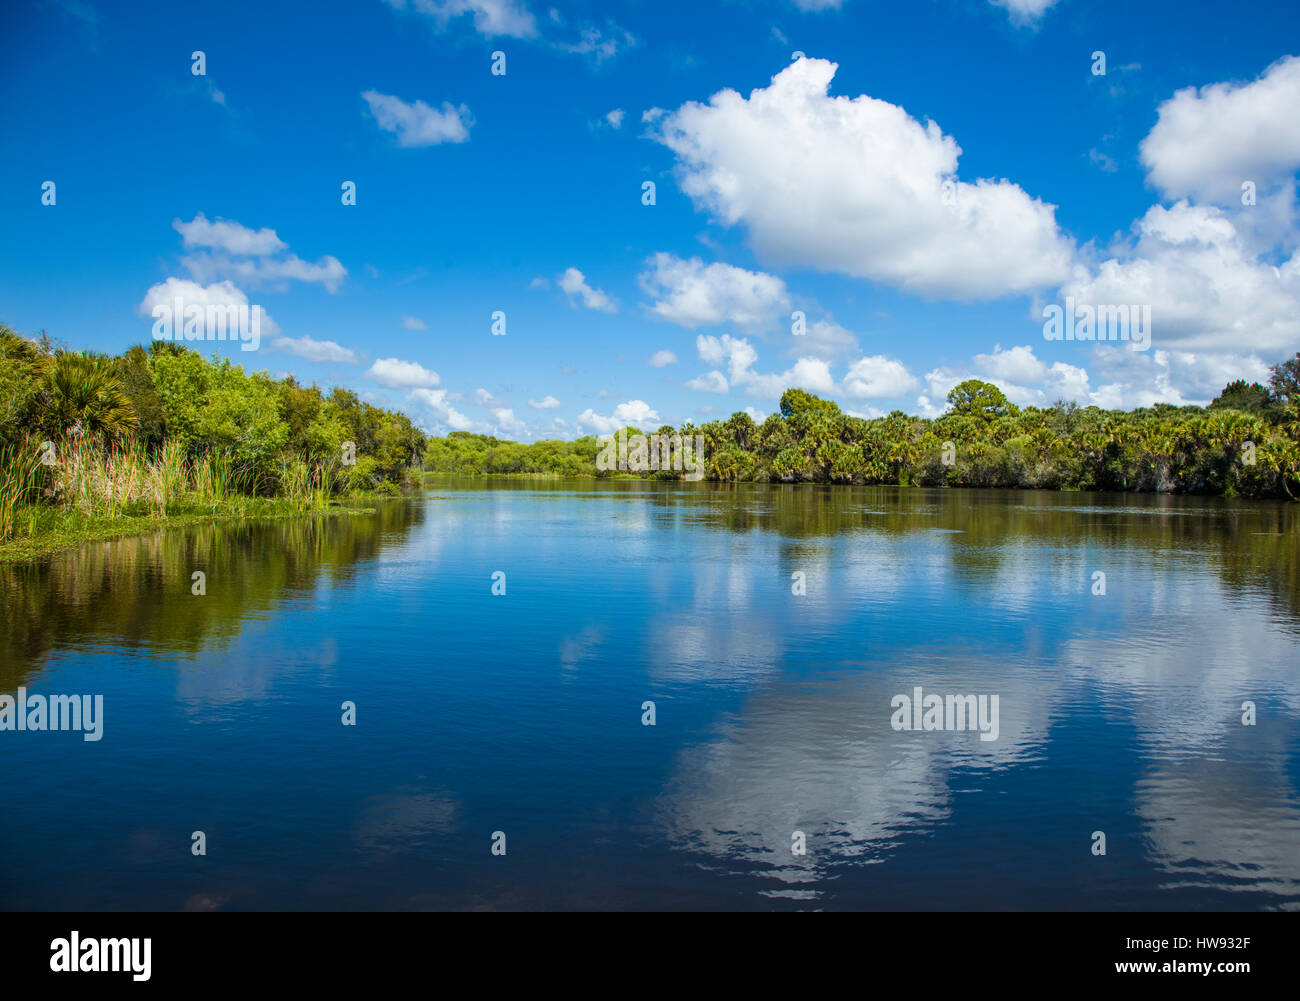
<point x="164" y="431"/>
<point x="87" y="440"/>
<point x="1245" y="443"/>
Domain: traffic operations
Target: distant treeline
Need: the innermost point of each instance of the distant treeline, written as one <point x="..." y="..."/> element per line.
<point x="1245" y="443"/>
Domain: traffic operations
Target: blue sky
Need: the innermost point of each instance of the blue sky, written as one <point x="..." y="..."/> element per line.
<point x="782" y="184"/>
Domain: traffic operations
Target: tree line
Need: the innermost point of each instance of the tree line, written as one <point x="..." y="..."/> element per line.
<point x="185" y="421"/>
<point x="1246" y="442"/>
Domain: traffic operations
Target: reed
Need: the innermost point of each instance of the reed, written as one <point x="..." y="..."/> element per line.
<point x="325" y="483"/>
<point x="212" y="478"/>
<point x="100" y="480"/>
<point x="168" y="477"/>
<point x="295" y="483"/>
<point x="89" y="480"/>
<point x="19" y="463"/>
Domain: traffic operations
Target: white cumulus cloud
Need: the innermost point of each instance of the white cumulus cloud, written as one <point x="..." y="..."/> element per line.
<point x="227" y="250"/>
<point x="228" y="236"/>
<point x="633" y="413"/>
<point x="416" y="124"/>
<point x="1025" y="12"/>
<point x="1205" y="287"/>
<point x="219" y="294"/>
<point x="857" y="186"/>
<point x="1207" y="142"/>
<point x="878" y="377"/>
<point x="436" y="402"/>
<point x="693" y="294"/>
<point x="398" y="374"/>
<point x="492" y="18"/>
<point x="575" y="286"/>
<point x="313" y="350"/>
<point x="709" y="382"/>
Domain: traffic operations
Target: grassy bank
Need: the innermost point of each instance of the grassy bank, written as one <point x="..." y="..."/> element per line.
<point x="68" y="494"/>
<point x="50" y="530"/>
<point x="94" y="447"/>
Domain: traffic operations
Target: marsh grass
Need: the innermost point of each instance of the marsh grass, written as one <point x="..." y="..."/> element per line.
<point x="19" y="464"/>
<point x="167" y="477"/>
<point x="217" y="481"/>
<point x="308" y="487"/>
<point x="97" y="490"/>
<point x="99" y="481"/>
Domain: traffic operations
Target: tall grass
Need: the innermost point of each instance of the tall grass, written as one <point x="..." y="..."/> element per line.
<point x="95" y="481"/>
<point x="214" y="478"/>
<point x="101" y="480"/>
<point x="106" y="481"/>
<point x="168" y="477"/>
<point x="307" y="488"/>
<point x="19" y="463"/>
<point x="325" y="483"/>
<point x="295" y="482"/>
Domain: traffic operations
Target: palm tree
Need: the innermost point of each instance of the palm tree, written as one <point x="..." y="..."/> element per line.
<point x="85" y="398"/>
<point x="902" y="455"/>
<point x="1287" y="452"/>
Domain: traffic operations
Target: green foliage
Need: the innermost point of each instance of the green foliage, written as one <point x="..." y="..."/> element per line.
<point x="19" y="464"/>
<point x="22" y="369"/>
<point x="214" y="405"/>
<point x="136" y="381"/>
<point x="994" y="444"/>
<point x="82" y="396"/>
<point x="1250" y="398"/>
<point x="164" y="431"/>
<point x="796" y="402"/>
<point x="981" y="401"/>
<point x="1284" y="382"/>
<point x="465" y="454"/>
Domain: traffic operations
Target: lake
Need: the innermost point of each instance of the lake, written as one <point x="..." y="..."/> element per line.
<point x="775" y="629"/>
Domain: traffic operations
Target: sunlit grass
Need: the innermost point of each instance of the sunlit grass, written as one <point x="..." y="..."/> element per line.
<point x="93" y="490"/>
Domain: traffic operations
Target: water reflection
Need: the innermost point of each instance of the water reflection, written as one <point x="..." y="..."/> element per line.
<point x="1119" y="711"/>
<point x="135" y="592"/>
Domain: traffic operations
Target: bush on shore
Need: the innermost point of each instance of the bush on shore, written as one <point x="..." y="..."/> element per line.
<point x="163" y="430"/>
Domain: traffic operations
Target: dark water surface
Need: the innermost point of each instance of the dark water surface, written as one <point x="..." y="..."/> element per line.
<point x="522" y="713"/>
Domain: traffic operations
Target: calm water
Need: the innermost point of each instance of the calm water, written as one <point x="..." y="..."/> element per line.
<point x="522" y="713"/>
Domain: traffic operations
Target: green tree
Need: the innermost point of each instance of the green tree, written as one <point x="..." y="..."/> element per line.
<point x="1251" y="398"/>
<point x="796" y="402"/>
<point x="980" y="400"/>
<point x="133" y="374"/>
<point x="1284" y="381"/>
<point x="22" y="367"/>
<point x="742" y="430"/>
<point x="84" y="397"/>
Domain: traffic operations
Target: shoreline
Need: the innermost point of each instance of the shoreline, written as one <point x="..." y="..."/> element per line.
<point x="61" y="539"/>
<point x="622" y="477"/>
